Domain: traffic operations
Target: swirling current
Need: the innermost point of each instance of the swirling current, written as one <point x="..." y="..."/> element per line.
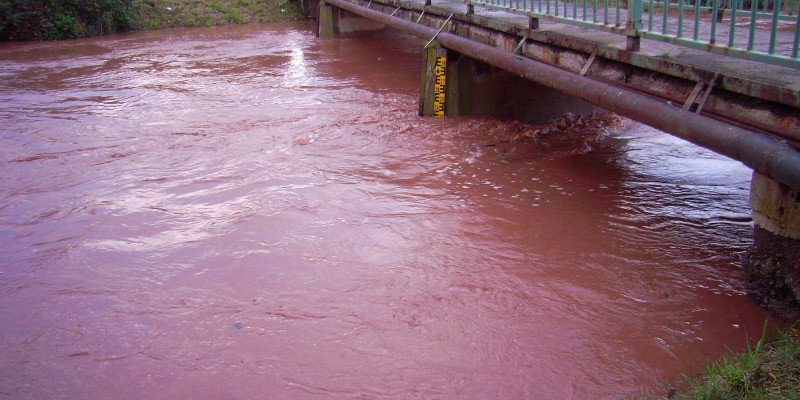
<point x="252" y="212"/>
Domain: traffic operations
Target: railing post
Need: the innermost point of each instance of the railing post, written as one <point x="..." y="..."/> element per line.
<point x="470" y="7"/>
<point x="634" y="25"/>
<point x="714" y="14"/>
<point x="533" y="23"/>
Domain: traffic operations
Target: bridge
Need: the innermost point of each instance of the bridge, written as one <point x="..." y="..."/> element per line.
<point x="723" y="74"/>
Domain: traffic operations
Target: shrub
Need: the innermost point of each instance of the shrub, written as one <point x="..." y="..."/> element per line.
<point x="63" y="19"/>
<point x="234" y="16"/>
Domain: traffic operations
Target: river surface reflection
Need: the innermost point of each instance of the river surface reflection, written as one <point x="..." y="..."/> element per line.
<point x="251" y="212"/>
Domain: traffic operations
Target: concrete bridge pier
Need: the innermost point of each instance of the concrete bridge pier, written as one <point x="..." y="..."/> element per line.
<point x="434" y="86"/>
<point x="333" y="21"/>
<point x="772" y="263"/>
<point x="454" y="84"/>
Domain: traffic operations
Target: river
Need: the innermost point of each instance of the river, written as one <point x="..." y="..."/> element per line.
<point x="251" y="212"/>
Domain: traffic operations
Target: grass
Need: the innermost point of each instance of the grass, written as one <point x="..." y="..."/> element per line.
<point x="154" y="14"/>
<point x="768" y="370"/>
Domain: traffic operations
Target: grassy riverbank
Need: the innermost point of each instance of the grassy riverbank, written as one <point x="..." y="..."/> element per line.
<point x="156" y="14"/>
<point x="767" y="370"/>
<point x="68" y="19"/>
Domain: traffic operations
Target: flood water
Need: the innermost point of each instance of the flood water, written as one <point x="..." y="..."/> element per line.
<point x="251" y="212"/>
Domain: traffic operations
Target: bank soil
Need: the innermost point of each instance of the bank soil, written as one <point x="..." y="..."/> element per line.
<point x="772" y="270"/>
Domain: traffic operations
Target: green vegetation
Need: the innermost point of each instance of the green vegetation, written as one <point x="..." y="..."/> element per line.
<point x="66" y="19"/>
<point x="63" y="19"/>
<point x="769" y="370"/>
<point x="153" y="14"/>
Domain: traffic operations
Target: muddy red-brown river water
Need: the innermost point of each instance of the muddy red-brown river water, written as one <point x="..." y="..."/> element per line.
<point x="253" y="213"/>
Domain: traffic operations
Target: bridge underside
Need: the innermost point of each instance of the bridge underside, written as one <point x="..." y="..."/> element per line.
<point x="466" y="86"/>
<point x="756" y="121"/>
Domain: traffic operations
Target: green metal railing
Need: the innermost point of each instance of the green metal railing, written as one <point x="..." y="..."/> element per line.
<point x="766" y="31"/>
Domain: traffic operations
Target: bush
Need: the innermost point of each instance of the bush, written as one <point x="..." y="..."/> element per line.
<point x="63" y="19"/>
<point x="234" y="16"/>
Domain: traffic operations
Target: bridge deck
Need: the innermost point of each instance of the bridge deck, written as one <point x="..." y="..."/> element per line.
<point x="748" y="111"/>
<point x="657" y="53"/>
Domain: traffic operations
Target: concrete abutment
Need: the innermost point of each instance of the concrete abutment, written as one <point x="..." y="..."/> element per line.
<point x="772" y="263"/>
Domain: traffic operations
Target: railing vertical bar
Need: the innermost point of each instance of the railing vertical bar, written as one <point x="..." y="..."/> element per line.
<point x="779" y="50"/>
<point x="732" y="34"/>
<point x="753" y="19"/>
<point x="796" y="36"/>
<point x="713" y="38"/>
<point x="773" y="34"/>
<point x="634" y="18"/>
<point x="584" y="9"/>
